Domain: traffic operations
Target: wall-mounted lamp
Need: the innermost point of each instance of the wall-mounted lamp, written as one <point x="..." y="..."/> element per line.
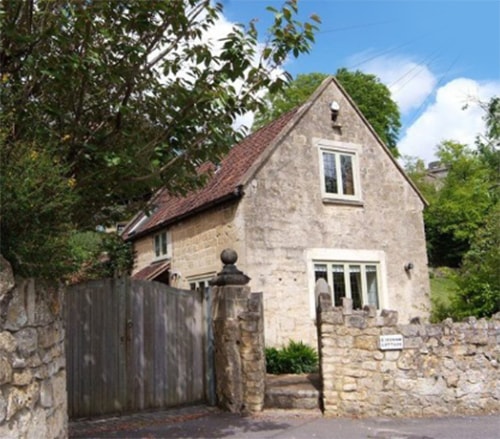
<point x="334" y="110"/>
<point x="409" y="267"/>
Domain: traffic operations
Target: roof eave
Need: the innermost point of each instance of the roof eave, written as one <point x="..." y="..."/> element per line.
<point x="236" y="194"/>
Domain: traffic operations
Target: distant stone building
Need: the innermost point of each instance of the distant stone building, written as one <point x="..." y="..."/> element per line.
<point x="436" y="173"/>
<point x="314" y="194"/>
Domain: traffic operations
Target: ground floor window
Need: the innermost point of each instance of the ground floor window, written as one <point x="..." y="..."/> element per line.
<point x="357" y="281"/>
<point x="200" y="283"/>
<point x="359" y="275"/>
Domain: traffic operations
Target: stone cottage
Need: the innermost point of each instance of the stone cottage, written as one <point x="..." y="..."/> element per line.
<point x="314" y="194"/>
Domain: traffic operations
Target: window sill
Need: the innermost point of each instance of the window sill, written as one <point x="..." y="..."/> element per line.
<point x="161" y="258"/>
<point x="342" y="201"/>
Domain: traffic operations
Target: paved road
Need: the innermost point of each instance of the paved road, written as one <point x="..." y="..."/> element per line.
<point x="203" y="423"/>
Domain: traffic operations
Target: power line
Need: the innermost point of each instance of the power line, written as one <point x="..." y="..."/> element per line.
<point x="421" y="108"/>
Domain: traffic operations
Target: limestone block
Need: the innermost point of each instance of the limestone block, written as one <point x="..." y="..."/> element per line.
<point x="452" y="379"/>
<point x="353" y="396"/>
<point x="477" y="337"/>
<point x="392" y="355"/>
<point x="7" y="342"/>
<point x="366" y="342"/>
<point x="345" y="342"/>
<point x="407" y="361"/>
<point x="373" y="383"/>
<point x="349" y="387"/>
<point x="248" y="324"/>
<point x="46" y="394"/>
<point x="356" y="373"/>
<point x="434" y="331"/>
<point x="404" y="384"/>
<point x="57" y="424"/>
<point x="414" y="343"/>
<point x="430" y="386"/>
<point x="390" y="317"/>
<point x="7" y="281"/>
<point x="16" y="316"/>
<point x="370" y="365"/>
<point x="36" y="428"/>
<point x="9" y="430"/>
<point x="355" y="321"/>
<point x="412" y="330"/>
<point x="346" y="306"/>
<point x="22" y="378"/>
<point x="59" y="392"/>
<point x="5" y="371"/>
<point x="50" y="335"/>
<point x="20" y="398"/>
<point x="332" y="317"/>
<point x="27" y="341"/>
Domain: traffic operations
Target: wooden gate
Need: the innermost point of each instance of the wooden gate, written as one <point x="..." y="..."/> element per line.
<point x="136" y="345"/>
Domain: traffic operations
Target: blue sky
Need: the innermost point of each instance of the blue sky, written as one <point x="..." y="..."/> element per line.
<point x="435" y="57"/>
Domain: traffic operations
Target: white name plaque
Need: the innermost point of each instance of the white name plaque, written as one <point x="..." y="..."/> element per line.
<point x="389" y="342"/>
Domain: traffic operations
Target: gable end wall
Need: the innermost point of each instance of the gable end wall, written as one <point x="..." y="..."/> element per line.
<point x="285" y="217"/>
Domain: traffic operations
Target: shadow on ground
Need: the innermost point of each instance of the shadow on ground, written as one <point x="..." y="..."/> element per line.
<point x="204" y="423"/>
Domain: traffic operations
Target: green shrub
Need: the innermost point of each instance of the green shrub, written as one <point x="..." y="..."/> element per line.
<point x="295" y="358"/>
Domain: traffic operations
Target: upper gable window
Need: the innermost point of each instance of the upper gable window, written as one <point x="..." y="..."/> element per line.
<point x="339" y="171"/>
<point x="162" y="245"/>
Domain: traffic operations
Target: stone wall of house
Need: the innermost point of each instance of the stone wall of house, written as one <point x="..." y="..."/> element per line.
<point x="286" y="216"/>
<point x="197" y="243"/>
<point x="442" y="369"/>
<point x="144" y="254"/>
<point x="33" y="399"/>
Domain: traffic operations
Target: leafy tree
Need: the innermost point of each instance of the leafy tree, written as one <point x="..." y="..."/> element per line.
<point x="96" y="255"/>
<point x="478" y="279"/>
<point x="105" y="101"/>
<point x="371" y="96"/>
<point x="293" y="95"/>
<point x="462" y="221"/>
<point x="459" y="207"/>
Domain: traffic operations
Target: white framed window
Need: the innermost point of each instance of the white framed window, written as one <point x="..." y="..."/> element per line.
<point x="339" y="171"/>
<point x="358" y="281"/>
<point x="201" y="282"/>
<point x="161" y="245"/>
<point x="356" y="274"/>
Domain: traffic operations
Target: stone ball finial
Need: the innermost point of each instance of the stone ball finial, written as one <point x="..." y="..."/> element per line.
<point x="228" y="256"/>
<point x="230" y="275"/>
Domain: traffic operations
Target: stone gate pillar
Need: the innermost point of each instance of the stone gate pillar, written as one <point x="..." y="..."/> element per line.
<point x="238" y="327"/>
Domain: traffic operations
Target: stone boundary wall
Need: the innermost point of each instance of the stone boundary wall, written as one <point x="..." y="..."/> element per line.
<point x="33" y="399"/>
<point x="443" y="369"/>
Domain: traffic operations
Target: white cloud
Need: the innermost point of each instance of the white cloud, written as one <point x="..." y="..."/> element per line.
<point x="410" y="83"/>
<point x="440" y="111"/>
<point x="446" y="118"/>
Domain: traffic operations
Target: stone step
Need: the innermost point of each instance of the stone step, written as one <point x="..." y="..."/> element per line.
<point x="292" y="392"/>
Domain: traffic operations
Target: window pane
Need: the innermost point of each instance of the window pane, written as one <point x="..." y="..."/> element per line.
<point x="347" y="175"/>
<point x="164" y="243"/>
<point x="330" y="172"/>
<point x="371" y="285"/>
<point x="355" y="280"/>
<point x="319" y="272"/>
<point x="338" y="284"/>
<point x="157" y="245"/>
